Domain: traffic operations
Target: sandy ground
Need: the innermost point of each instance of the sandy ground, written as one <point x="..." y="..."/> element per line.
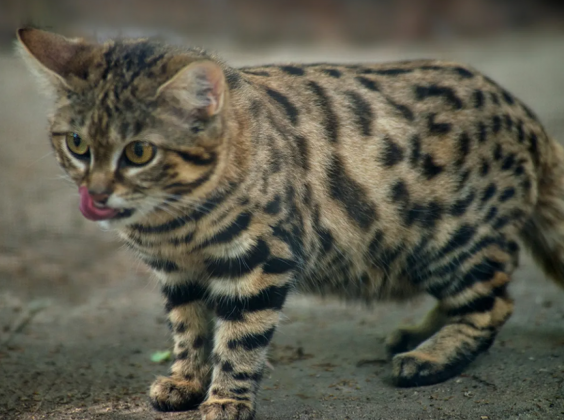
<point x="79" y="318"/>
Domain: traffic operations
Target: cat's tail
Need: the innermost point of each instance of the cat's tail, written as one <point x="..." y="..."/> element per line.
<point x="543" y="234"/>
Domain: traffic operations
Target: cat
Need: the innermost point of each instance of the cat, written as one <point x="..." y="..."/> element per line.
<point x="367" y="181"/>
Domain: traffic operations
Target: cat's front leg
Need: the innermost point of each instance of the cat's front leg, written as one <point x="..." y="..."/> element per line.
<point x="190" y="321"/>
<point x="247" y="316"/>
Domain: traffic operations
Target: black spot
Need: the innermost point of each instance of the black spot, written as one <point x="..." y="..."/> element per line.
<point x="257" y="73"/>
<point x="326" y="239"/>
<point x="425" y="92"/>
<point x="533" y="147"/>
<point x="519" y="170"/>
<point x="508" y="98"/>
<point x="252" y="341"/>
<point x="507" y="194"/>
<point x="465" y="73"/>
<point x="492" y="212"/>
<point x="498" y="152"/>
<point x="240" y="265"/>
<point x="386" y="72"/>
<point x="362" y="111"/>
<point x="368" y="84"/>
<point x="274" y="206"/>
<point x="240" y="224"/>
<point x="482" y="132"/>
<point x="520" y="131"/>
<point x="350" y="195"/>
<point x="290" y="109"/>
<point x="460" y="206"/>
<point x="430" y="168"/>
<point x="330" y="119"/>
<point x="332" y="72"/>
<point x="415" y="155"/>
<point x="437" y="128"/>
<point x="392" y="153"/>
<point x="199" y="342"/>
<point x="478" y="99"/>
<point x="496" y="124"/>
<point x="484" y="168"/>
<point x="508" y="162"/>
<point x="182" y="294"/>
<point x="293" y="70"/>
<point x="508" y="121"/>
<point x="183" y="355"/>
<point x="234" y="80"/>
<point x="463" y="178"/>
<point x="232" y="308"/>
<point x="227" y="367"/>
<point x="400" y="192"/>
<point x="489" y="192"/>
<point x="494" y="98"/>
<point x="463" y="148"/>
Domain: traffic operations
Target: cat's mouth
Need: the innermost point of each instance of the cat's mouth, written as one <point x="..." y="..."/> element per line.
<point x="93" y="211"/>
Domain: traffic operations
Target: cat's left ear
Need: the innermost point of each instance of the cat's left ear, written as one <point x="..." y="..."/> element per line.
<point x="54" y="58"/>
<point x="200" y="86"/>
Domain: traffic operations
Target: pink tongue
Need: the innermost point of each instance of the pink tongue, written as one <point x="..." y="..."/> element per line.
<point x="92" y="212"/>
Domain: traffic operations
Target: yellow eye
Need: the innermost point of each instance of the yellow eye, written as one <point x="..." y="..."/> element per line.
<point x="139" y="152"/>
<point x="77" y="145"/>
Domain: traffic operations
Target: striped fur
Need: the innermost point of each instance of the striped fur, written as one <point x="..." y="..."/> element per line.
<point x="369" y="182"/>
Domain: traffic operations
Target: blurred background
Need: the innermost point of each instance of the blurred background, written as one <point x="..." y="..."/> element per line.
<point x="267" y="22"/>
<point x="80" y="317"/>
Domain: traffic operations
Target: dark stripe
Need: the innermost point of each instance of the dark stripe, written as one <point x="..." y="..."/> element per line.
<point x="330" y="119"/>
<point x="278" y="265"/>
<point x="478" y="305"/>
<point x="240" y="224"/>
<point x="368" y="84"/>
<point x="162" y="265"/>
<point x="240" y="391"/>
<point x="240" y="265"/>
<point x="257" y="72"/>
<point x="460" y="206"/>
<point x="195" y="159"/>
<point x="293" y="70"/>
<point x="460" y="238"/>
<point x="520" y="132"/>
<point x="425" y="92"/>
<point x="482" y="132"/>
<point x="426" y="215"/>
<point x="182" y="294"/>
<point x="252" y="341"/>
<point x="498" y="152"/>
<point x="492" y="212"/>
<point x="496" y="124"/>
<point x="233" y="308"/>
<point x="392" y="153"/>
<point x="387" y="72"/>
<point x="403" y="109"/>
<point x="247" y="376"/>
<point x="362" y="111"/>
<point x="290" y="109"/>
<point x="212" y="203"/>
<point x="303" y="151"/>
<point x="533" y="148"/>
<point x="507" y="97"/>
<point x="485" y="168"/>
<point x="437" y="128"/>
<point x="508" y="122"/>
<point x="165" y="227"/>
<point x="350" y="195"/>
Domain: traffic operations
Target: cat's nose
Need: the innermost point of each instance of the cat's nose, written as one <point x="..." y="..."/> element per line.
<point x="99" y="198"/>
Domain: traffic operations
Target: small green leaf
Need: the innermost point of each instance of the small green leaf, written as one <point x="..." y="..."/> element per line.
<point x="161" y="356"/>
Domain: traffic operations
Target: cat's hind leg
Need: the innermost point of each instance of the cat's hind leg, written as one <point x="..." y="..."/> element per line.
<point x="474" y="308"/>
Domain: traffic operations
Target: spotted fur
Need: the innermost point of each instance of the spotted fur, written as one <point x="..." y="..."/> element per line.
<point x="368" y="181"/>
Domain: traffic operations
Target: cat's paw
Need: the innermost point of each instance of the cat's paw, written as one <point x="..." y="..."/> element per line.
<point x="416" y="368"/>
<point x="227" y="409"/>
<point x="176" y="394"/>
<point x="400" y="341"/>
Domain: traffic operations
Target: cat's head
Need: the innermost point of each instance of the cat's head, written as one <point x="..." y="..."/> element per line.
<point x="139" y="127"/>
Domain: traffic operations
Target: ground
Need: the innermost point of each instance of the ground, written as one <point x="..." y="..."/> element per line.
<point x="80" y="318"/>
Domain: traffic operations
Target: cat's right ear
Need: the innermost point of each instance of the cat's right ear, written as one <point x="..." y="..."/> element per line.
<point x="54" y="58"/>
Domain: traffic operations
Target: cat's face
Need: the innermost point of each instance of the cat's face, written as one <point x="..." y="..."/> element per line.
<point x="139" y="128"/>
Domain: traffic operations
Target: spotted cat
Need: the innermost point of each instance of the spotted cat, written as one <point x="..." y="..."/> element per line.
<point x="368" y="181"/>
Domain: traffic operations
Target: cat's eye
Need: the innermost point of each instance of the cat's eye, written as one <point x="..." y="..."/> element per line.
<point x="139" y="152"/>
<point x="77" y="145"/>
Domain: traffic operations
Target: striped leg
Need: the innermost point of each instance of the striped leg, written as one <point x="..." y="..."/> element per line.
<point x="190" y="321"/>
<point x="245" y="325"/>
<point x="475" y="307"/>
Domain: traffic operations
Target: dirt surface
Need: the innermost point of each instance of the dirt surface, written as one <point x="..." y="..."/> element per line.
<point x="80" y="318"/>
